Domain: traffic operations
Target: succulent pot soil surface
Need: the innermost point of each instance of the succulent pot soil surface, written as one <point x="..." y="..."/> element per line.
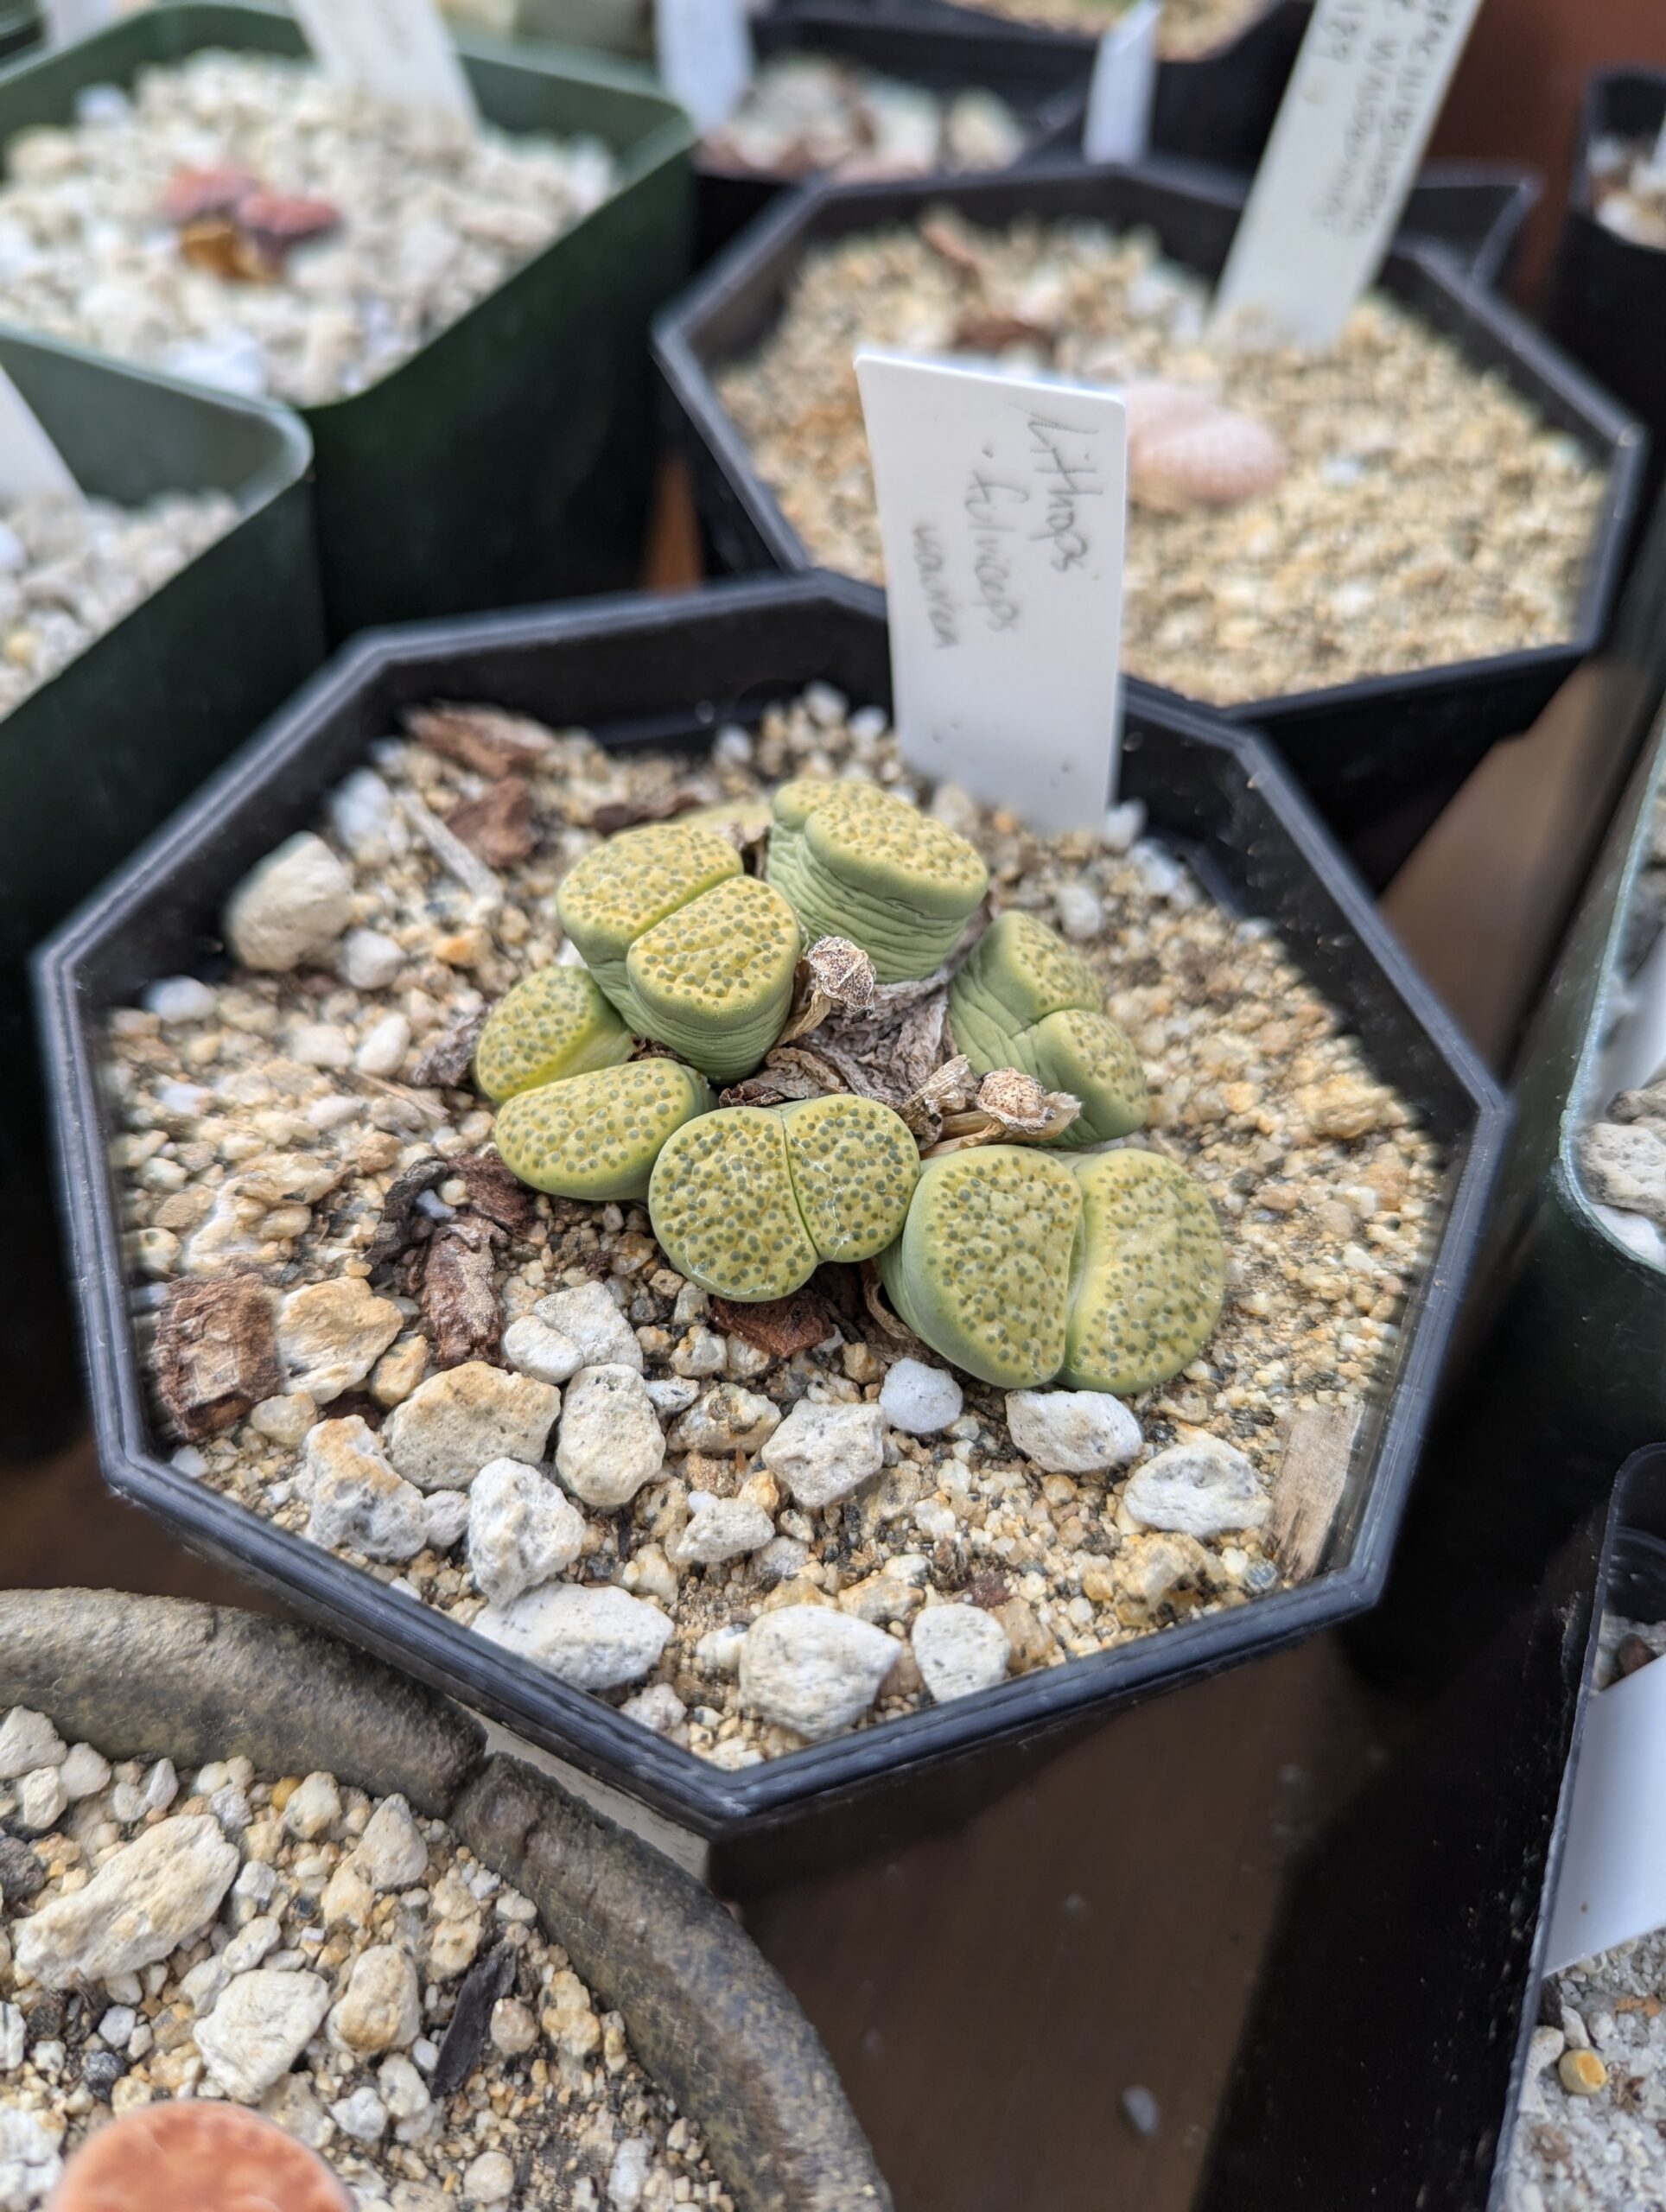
<point x="1567" y="1338"/>
<point x="151" y="1678"/>
<point x="101" y="753"/>
<point x="508" y="460"/>
<point x="1379" y="749"/>
<point x="669" y="673"/>
<point x="1415" y="1932"/>
<point x="1607" y="301"/>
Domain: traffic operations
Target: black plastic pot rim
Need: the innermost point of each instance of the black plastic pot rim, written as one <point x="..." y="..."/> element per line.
<point x="673" y="135"/>
<point x="594" y="1736"/>
<point x="690" y="378"/>
<point x="1067" y="34"/>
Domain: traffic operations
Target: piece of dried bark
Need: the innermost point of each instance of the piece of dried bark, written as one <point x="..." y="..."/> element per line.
<point x="448" y="1059"/>
<point x="491" y="1977"/>
<point x="628" y="813"/>
<point x="1308" y="1488"/>
<point x="988" y="1591"/>
<point x="396" y="1230"/>
<point x="216" y="1353"/>
<point x="495" y="1192"/>
<point x="950" y="1089"/>
<point x="485" y="739"/>
<point x="990" y="330"/>
<point x="459" y="1291"/>
<point x="497" y="827"/>
<point x="888" y="1052"/>
<point x="778" y="1326"/>
<point x="950" y="241"/>
<point x="834" y="977"/>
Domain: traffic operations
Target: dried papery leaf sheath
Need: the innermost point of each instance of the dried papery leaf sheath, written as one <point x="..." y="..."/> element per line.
<point x="1025" y="999"/>
<point x="854" y="860"/>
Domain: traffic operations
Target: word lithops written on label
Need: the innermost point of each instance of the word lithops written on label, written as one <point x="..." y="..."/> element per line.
<point x="31" y="467"/>
<point x="1361" y="103"/>
<point x="1002" y="506"/>
<point x="397" y="49"/>
<point x="68" y="20"/>
<point x="704" y="52"/>
<point x="1117" y="127"/>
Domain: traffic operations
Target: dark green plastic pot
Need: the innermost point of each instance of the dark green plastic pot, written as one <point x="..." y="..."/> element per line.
<point x="509" y="460"/>
<point x="92" y="761"/>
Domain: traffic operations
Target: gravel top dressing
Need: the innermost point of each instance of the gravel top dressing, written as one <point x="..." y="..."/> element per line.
<point x="810" y="114"/>
<point x="345" y="1966"/>
<point x="253" y="225"/>
<point x="1189" y="28"/>
<point x="68" y="572"/>
<point x="1298" y="520"/>
<point x="766" y="1523"/>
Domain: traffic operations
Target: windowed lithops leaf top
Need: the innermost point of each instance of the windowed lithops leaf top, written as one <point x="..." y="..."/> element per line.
<point x="1107" y="1274"/>
<point x="554" y="1023"/>
<point x="597" y="1136"/>
<point x="1025" y="999"/>
<point x="622" y="888"/>
<point x="857" y="862"/>
<point x="1153" y="1274"/>
<point x="748" y="1202"/>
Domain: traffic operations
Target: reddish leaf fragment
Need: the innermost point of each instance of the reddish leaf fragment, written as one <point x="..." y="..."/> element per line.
<point x="989" y="331"/>
<point x="277" y="221"/>
<point x="194" y="193"/>
<point x="216" y="1353"/>
<point x="485" y="739"/>
<point x="626" y="813"/>
<point x="497" y="827"/>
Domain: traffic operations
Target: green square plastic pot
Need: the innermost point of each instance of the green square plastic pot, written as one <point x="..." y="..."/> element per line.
<point x="509" y="460"/>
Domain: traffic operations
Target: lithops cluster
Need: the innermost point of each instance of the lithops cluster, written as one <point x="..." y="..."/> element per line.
<point x="553" y="1023"/>
<point x="1026" y="1000"/>
<point x="598" y="1136"/>
<point x="748" y="1202"/>
<point x="857" y="862"/>
<point x="1105" y="1274"/>
<point x="692" y="952"/>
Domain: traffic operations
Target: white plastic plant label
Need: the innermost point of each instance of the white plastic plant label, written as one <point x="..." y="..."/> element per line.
<point x="1356" y="117"/>
<point x="397" y="49"/>
<point x="69" y="20"/>
<point x="1124" y="83"/>
<point x="30" y="464"/>
<point x="704" y="50"/>
<point x="1003" y="506"/>
<point x="1612" y="1884"/>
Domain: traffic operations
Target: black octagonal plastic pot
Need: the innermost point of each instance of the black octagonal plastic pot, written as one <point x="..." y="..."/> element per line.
<point x="672" y="671"/>
<point x="1383" y="749"/>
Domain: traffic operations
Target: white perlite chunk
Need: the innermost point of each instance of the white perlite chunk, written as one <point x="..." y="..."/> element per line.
<point x="960" y="1649"/>
<point x="533" y="1348"/>
<point x="611" y="1442"/>
<point x="28" y="1739"/>
<point x="331" y="1334"/>
<point x="381" y="2009"/>
<point x="154" y="1894"/>
<point x="658" y="1708"/>
<point x="522" y="1530"/>
<point x="719" y="1529"/>
<point x="1073" y="1431"/>
<point x="359" y="1503"/>
<point x="29" y="2164"/>
<point x="822" y="1452"/>
<point x="594" y="1638"/>
<point x="84" y="1772"/>
<point x="727" y="1419"/>
<point x="40" y="1800"/>
<point x="587" y="1316"/>
<point x="1200" y="1489"/>
<point x="290" y="906"/>
<point x="814" y="1670"/>
<point x="13" y="2038"/>
<point x="919" y="1399"/>
<point x="1625" y="1165"/>
<point x="361" y="814"/>
<point x="369" y="959"/>
<point x="263" y="2021"/>
<point x="456" y="1423"/>
<point x="445" y="1516"/>
<point x="391" y="1854"/>
<point x="179" y="998"/>
<point x="314" y="1808"/>
<point x="628" y="2175"/>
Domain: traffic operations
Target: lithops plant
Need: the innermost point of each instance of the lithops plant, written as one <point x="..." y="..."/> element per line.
<point x="690" y="950"/>
<point x="552" y="1024"/>
<point x="748" y="1202"/>
<point x="1187" y="448"/>
<point x="1104" y="1273"/>
<point x="1026" y="1000"/>
<point x="598" y="1136"/>
<point x="857" y="862"/>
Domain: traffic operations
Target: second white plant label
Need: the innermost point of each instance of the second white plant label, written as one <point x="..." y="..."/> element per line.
<point x="1002" y="506"/>
<point x="397" y="49"/>
<point x="1363" y="96"/>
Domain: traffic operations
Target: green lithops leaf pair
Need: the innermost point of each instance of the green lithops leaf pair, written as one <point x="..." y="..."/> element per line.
<point x="857" y="862"/>
<point x="690" y="949"/>
<point x="552" y="1024"/>
<point x="1025" y="999"/>
<point x="1106" y="1273"/>
<point x="748" y="1202"/>
<point x="597" y="1135"/>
